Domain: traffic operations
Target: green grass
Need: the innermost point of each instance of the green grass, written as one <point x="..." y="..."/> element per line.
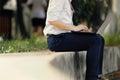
<point x="112" y="40"/>
<point x="19" y="45"/>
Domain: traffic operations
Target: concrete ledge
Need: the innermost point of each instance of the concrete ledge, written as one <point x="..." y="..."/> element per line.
<point x="65" y="62"/>
<point x="55" y="66"/>
<point x="111" y="60"/>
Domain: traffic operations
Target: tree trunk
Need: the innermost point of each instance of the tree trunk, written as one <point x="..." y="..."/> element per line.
<point x="21" y="21"/>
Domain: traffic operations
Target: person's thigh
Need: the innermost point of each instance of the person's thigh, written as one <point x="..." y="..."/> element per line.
<point x="71" y="42"/>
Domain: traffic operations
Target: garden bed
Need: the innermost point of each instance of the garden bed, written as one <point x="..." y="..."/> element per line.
<point x="19" y="45"/>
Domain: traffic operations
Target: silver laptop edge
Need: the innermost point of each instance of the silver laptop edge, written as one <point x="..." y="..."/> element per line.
<point x="105" y="23"/>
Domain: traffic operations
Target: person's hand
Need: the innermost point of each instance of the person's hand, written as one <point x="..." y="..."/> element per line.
<point x="81" y="28"/>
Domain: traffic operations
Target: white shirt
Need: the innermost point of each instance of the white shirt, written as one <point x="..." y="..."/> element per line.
<point x="38" y="8"/>
<point x="58" y="10"/>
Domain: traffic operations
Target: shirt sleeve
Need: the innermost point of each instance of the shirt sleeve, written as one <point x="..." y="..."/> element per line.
<point x="54" y="10"/>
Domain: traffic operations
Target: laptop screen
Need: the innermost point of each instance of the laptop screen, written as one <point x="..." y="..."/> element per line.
<point x="105" y="23"/>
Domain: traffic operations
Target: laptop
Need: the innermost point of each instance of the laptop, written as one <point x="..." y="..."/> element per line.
<point x="101" y="28"/>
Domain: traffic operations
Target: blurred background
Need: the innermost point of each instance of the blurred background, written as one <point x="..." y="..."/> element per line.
<point x="16" y="19"/>
<point x="16" y="16"/>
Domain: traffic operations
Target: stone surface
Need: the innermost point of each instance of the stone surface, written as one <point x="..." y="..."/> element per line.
<point x="111" y="59"/>
<point x="55" y="66"/>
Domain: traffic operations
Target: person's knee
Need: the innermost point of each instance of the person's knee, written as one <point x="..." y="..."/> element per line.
<point x="101" y="39"/>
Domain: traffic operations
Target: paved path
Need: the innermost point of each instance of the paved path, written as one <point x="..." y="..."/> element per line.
<point x="29" y="66"/>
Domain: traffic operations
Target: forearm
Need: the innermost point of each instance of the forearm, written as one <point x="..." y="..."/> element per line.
<point x="61" y="25"/>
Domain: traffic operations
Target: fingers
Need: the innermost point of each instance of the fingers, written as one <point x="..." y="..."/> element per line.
<point x="83" y="28"/>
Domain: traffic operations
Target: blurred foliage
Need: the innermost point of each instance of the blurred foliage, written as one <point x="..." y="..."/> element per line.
<point x="19" y="45"/>
<point x="112" y="40"/>
<point x="90" y="11"/>
<point x="83" y="9"/>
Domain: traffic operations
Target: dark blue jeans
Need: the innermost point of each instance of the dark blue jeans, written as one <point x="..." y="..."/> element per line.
<point x="92" y="43"/>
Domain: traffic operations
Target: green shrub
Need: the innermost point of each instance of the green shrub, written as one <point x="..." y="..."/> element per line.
<point x="18" y="45"/>
<point x="112" y="40"/>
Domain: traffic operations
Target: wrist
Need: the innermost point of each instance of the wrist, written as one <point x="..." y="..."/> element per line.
<point x="72" y="28"/>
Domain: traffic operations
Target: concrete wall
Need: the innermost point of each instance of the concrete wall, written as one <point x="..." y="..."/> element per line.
<point x="65" y="62"/>
<point x="111" y="59"/>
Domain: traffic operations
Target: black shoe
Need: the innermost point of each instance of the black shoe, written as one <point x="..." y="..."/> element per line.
<point x="101" y="77"/>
